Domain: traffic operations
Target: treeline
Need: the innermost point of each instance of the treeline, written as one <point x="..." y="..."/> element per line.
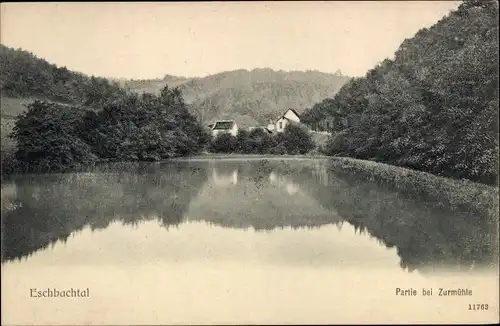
<point x="55" y="137"/>
<point x="433" y="108"/>
<point x="294" y="140"/>
<point x="25" y="75"/>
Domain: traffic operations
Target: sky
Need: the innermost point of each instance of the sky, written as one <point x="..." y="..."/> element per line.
<point x="149" y="40"/>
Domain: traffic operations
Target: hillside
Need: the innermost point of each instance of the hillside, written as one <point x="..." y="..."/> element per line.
<point x="152" y="86"/>
<point x="249" y="97"/>
<point x="434" y="107"/>
<point x="25" y="77"/>
<point x="75" y="119"/>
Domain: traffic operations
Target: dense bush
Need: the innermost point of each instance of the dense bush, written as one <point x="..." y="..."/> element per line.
<point x="433" y="108"/>
<point x="243" y="145"/>
<point x="293" y="140"/>
<point x="224" y="143"/>
<point x="53" y="137"/>
<point x="147" y="128"/>
<point x="336" y="144"/>
<point x="296" y="139"/>
<point x="47" y="138"/>
<point x="259" y="141"/>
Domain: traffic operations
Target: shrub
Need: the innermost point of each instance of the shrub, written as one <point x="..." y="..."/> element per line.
<point x="47" y="138"/>
<point x="224" y="143"/>
<point x="296" y="139"/>
<point x="337" y="144"/>
<point x="148" y="128"/>
<point x="243" y="142"/>
<point x="259" y="141"/>
<point x="53" y="136"/>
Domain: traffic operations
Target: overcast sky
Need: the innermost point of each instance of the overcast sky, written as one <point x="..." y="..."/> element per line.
<point x="149" y="40"/>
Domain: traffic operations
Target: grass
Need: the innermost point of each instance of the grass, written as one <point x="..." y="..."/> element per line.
<point x="443" y="192"/>
<point x="10" y="108"/>
<point x="7" y="144"/>
<point x="236" y="156"/>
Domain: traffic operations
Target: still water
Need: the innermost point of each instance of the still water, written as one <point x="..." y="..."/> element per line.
<point x="238" y="241"/>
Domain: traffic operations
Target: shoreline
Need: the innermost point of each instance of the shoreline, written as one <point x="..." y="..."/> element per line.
<point x="237" y="156"/>
<point x="400" y="178"/>
<point x="357" y="166"/>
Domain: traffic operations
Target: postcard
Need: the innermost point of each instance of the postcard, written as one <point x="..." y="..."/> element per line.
<point x="253" y="163"/>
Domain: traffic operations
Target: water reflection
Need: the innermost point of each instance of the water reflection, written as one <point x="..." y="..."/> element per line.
<point x="50" y="207"/>
<point x="39" y="210"/>
<point x="282" y="181"/>
<point x="223" y="175"/>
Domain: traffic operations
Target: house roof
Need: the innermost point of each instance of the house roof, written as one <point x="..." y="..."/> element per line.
<point x="294" y="112"/>
<point x="223" y="125"/>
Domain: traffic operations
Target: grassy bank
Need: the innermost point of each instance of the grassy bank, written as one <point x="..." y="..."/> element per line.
<point x="444" y="192"/>
<point x="10" y="108"/>
<point x="234" y="156"/>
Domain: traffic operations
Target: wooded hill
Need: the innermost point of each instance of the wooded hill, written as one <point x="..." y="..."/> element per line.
<point x="434" y="107"/>
<point x="248" y="97"/>
<point x="62" y="120"/>
<point x="25" y="77"/>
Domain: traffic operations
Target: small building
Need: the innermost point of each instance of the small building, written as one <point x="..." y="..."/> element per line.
<point x="224" y="126"/>
<point x="289" y="116"/>
<point x="271" y="126"/>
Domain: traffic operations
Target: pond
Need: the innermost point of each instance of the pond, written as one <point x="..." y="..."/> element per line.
<point x="241" y="241"/>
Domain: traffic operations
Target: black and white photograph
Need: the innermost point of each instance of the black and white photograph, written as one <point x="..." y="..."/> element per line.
<point x="249" y="162"/>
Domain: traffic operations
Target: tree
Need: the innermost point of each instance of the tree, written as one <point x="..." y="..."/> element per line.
<point x="259" y="141"/>
<point x="25" y="75"/>
<point x="296" y="139"/>
<point x="242" y="140"/>
<point x="224" y="143"/>
<point x="434" y="107"/>
<point x="47" y="138"/>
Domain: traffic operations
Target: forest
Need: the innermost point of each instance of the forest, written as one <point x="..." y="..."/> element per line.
<point x="433" y="108"/>
<point x="25" y="75"/>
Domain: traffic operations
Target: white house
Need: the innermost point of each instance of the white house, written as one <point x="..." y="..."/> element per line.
<point x="290" y="116"/>
<point x="224" y="126"/>
<point x="271" y="126"/>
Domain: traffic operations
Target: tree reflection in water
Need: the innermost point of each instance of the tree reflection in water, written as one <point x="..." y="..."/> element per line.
<point x="39" y="210"/>
<point x="52" y="206"/>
